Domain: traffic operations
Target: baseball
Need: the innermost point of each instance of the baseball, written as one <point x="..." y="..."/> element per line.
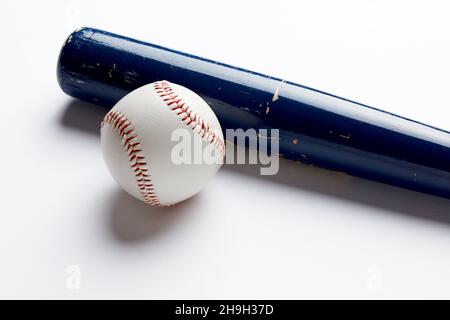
<point x="162" y="143"/>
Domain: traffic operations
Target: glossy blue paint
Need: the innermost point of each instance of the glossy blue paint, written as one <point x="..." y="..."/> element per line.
<point x="316" y="128"/>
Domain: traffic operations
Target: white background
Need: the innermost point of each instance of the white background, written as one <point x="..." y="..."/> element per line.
<point x="305" y="233"/>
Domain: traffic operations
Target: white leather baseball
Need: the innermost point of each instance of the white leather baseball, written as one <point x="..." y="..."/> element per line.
<point x="136" y="138"/>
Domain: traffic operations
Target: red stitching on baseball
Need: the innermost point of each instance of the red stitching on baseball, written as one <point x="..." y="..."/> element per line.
<point x="188" y="116"/>
<point x="129" y="139"/>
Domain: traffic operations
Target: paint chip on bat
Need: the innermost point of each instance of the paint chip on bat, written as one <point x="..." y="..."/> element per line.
<point x="276" y="94"/>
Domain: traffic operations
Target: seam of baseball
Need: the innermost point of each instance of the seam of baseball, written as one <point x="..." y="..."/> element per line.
<point x="189" y="117"/>
<point x="138" y="164"/>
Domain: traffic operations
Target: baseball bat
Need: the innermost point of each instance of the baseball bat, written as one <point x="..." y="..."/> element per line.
<point x="316" y="128"/>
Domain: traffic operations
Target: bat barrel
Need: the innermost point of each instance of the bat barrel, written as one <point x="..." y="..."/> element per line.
<point x="316" y="128"/>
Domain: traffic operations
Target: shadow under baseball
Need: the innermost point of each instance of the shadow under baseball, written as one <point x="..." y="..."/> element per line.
<point x="133" y="221"/>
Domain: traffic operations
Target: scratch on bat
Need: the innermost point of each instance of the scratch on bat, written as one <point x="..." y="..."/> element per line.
<point x="276" y="94"/>
<point x="130" y="76"/>
<point x="295" y="141"/>
<point x="267" y="108"/>
<point x="70" y="39"/>
<point x="73" y="86"/>
<point x="279" y="155"/>
<point x="87" y="66"/>
<point x="345" y="137"/>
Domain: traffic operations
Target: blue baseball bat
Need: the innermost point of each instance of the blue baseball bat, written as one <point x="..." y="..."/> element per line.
<point x="316" y="128"/>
